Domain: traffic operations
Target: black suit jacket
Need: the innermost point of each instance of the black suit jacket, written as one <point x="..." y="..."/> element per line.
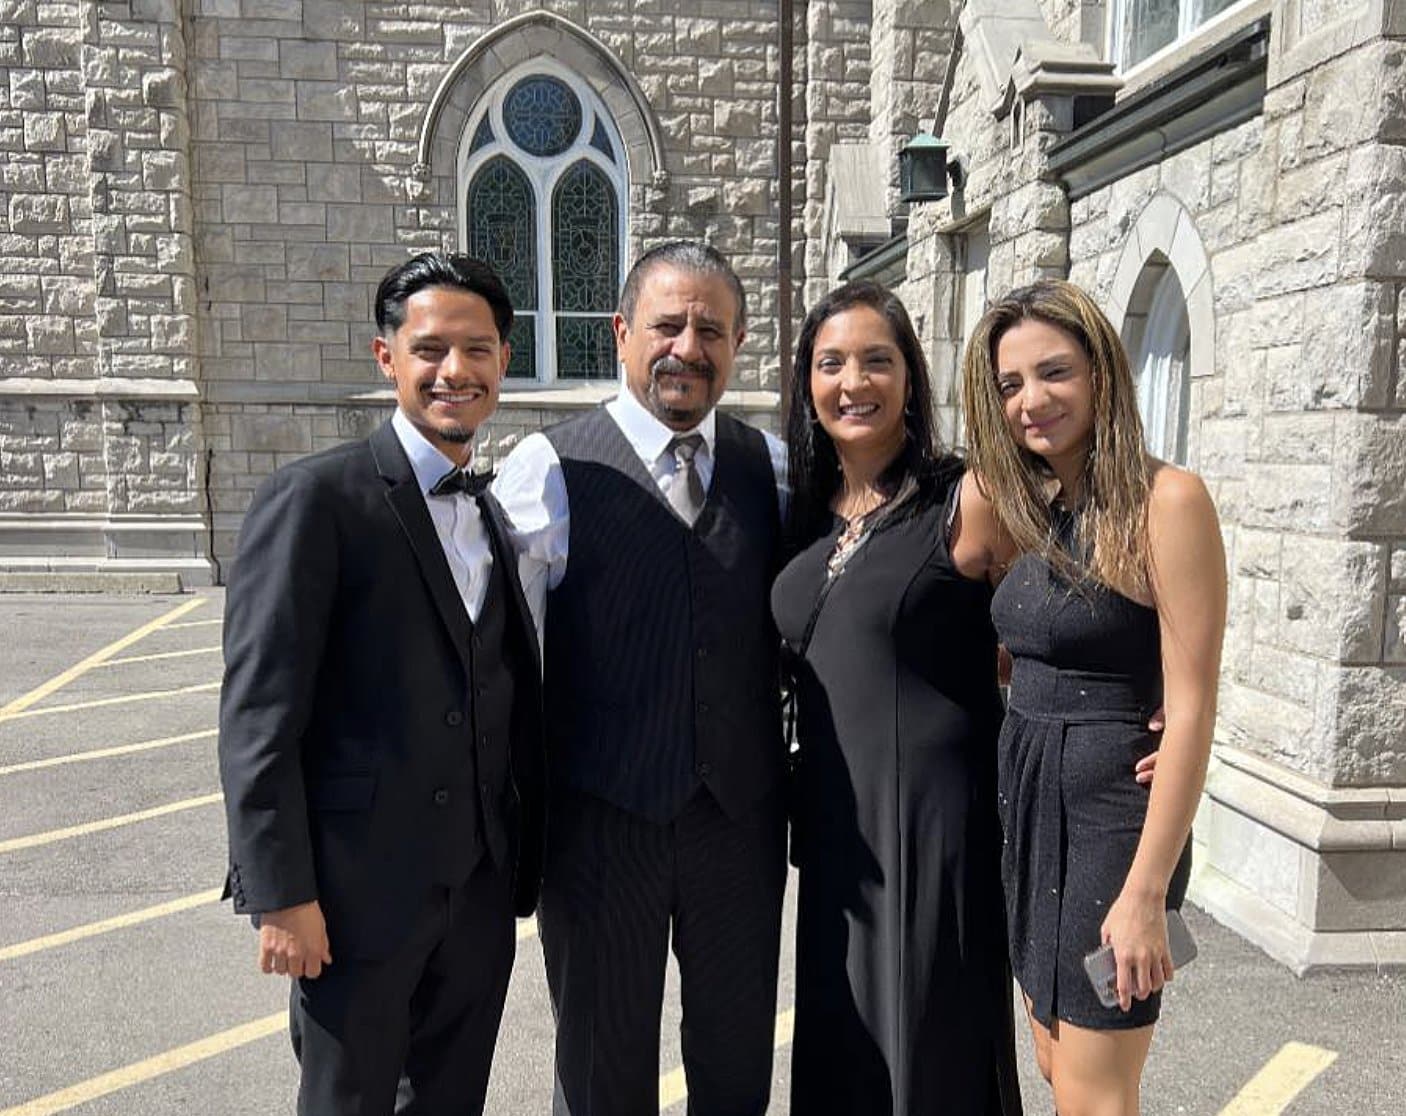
<point x="344" y="716"/>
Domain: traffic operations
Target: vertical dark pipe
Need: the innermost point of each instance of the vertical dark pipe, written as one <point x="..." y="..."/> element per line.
<point x="785" y="89"/>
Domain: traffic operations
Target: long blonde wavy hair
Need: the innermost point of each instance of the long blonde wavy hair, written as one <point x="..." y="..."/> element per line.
<point x="1117" y="473"/>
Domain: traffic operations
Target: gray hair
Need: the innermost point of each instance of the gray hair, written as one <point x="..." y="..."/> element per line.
<point x="686" y="255"/>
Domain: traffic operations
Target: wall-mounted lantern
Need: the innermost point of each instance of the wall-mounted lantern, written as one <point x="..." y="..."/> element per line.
<point x="923" y="170"/>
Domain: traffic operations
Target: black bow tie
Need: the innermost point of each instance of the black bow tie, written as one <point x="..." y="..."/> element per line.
<point x="459" y="480"/>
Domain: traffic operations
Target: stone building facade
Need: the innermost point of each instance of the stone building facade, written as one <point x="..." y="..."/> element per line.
<point x="197" y="197"/>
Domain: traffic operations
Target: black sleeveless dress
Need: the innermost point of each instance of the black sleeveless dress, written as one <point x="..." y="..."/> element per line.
<point x="903" y="992"/>
<point x="1087" y="677"/>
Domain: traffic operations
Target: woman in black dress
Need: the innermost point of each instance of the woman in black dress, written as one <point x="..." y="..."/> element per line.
<point x="1114" y="605"/>
<point x="903" y="994"/>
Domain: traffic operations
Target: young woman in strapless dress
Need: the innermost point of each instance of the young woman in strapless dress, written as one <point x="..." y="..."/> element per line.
<point x="1113" y="602"/>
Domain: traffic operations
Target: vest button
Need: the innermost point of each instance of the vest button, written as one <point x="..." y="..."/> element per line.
<point x="704" y="770"/>
<point x="453" y="718"/>
<point x="441" y="797"/>
<point x="702" y="707"/>
<point x="702" y="652"/>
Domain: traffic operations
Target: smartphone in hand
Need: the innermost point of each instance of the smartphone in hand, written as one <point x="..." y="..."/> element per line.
<point x="1103" y="968"/>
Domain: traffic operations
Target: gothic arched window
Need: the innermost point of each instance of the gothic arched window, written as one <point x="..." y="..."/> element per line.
<point x="543" y="203"/>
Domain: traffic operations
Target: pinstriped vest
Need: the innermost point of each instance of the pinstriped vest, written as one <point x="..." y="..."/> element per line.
<point x="660" y="656"/>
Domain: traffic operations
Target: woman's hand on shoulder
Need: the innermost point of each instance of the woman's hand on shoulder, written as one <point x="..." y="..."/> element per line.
<point x="980" y="548"/>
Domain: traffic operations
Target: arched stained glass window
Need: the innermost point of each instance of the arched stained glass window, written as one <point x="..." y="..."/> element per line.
<point x="502" y="233"/>
<point x="544" y="205"/>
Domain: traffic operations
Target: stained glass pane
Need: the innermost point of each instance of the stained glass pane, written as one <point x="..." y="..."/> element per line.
<point x="542" y="115"/>
<point x="502" y="228"/>
<point x="585" y="241"/>
<point x="585" y="349"/>
<point x="483" y="135"/>
<point x="522" y="365"/>
<point x="601" y="141"/>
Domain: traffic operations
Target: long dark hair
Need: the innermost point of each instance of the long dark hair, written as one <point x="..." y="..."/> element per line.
<point x="814" y="464"/>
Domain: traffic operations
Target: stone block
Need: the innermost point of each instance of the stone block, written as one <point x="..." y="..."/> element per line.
<point x="49" y="334"/>
<point x="1369" y="474"/>
<point x="326" y="100"/>
<point x="171" y="333"/>
<point x="1331" y="599"/>
<point x="1299" y="255"/>
<point x="291" y="361"/>
<point x="216" y="81"/>
<point x="263" y="323"/>
<point x="360" y="223"/>
<point x="339" y="20"/>
<point x="38" y="214"/>
<point x="27" y="89"/>
<point x="252" y="204"/>
<point x="1347" y="348"/>
<point x="334" y="182"/>
<point x="1374" y="218"/>
<point x="45" y="131"/>
<point x="315" y="59"/>
<point x="51" y="48"/>
<point x="71" y="296"/>
<point x="61" y="470"/>
<point x="301" y="142"/>
<point x="1394" y="643"/>
<point x="1371" y="726"/>
<point x="164" y="170"/>
<point x="270" y="433"/>
<point x="164" y="88"/>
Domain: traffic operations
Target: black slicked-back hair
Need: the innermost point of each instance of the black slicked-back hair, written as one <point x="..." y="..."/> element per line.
<point x="436" y="269"/>
<point x="686" y="255"/>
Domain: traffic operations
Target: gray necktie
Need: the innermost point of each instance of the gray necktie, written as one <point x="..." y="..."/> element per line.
<point x="686" y="489"/>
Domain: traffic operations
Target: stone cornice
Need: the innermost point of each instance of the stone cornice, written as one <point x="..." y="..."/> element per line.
<point x="108" y="387"/>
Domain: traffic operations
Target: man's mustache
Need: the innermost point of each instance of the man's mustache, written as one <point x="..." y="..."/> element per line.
<point x="673" y="366"/>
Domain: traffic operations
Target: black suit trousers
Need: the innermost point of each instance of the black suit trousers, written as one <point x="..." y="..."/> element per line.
<point x="614" y="887"/>
<point x="411" y="1034"/>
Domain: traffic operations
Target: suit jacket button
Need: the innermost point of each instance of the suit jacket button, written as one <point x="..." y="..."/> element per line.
<point x="453" y="718"/>
<point x="704" y="770"/>
<point x="441" y="797"/>
<point x="702" y="707"/>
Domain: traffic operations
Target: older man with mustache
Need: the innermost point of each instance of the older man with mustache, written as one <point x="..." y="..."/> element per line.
<point x="650" y="530"/>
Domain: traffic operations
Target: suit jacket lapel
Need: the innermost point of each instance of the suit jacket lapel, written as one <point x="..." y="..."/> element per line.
<point x="408" y="503"/>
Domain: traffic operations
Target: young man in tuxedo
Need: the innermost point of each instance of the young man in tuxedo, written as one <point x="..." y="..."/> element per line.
<point x="380" y="724"/>
<point x="651" y="528"/>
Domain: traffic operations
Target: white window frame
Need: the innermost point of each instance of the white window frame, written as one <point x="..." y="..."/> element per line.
<point x="543" y="173"/>
<point x="1187" y="25"/>
<point x="1162" y="371"/>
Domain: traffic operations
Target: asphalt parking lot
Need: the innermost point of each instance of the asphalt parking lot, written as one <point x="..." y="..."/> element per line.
<point x="128" y="988"/>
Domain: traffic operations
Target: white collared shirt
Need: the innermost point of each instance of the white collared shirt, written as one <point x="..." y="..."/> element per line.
<point x="532" y="491"/>
<point x="456" y="517"/>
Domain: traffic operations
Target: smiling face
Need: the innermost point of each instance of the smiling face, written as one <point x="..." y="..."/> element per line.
<point x="859" y="382"/>
<point x="447" y="363"/>
<point x="679" y="349"/>
<point x="1045" y="382"/>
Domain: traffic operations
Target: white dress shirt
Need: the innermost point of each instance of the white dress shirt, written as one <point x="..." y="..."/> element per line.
<point x="456" y="517"/>
<point x="531" y="489"/>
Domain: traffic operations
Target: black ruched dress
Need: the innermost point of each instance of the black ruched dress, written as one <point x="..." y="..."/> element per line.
<point x="1086" y="678"/>
<point x="903" y="990"/>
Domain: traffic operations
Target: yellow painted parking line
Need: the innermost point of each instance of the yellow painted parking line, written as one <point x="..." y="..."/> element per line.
<point x="124" y="699"/>
<point x="158" y="1066"/>
<point x="97" y="658"/>
<point x="107" y="925"/>
<point x="673" y="1087"/>
<point x="162" y="655"/>
<point x="179" y="1058"/>
<point x="14" y="844"/>
<point x="192" y="624"/>
<point x="104" y="753"/>
<point x="1283" y="1078"/>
